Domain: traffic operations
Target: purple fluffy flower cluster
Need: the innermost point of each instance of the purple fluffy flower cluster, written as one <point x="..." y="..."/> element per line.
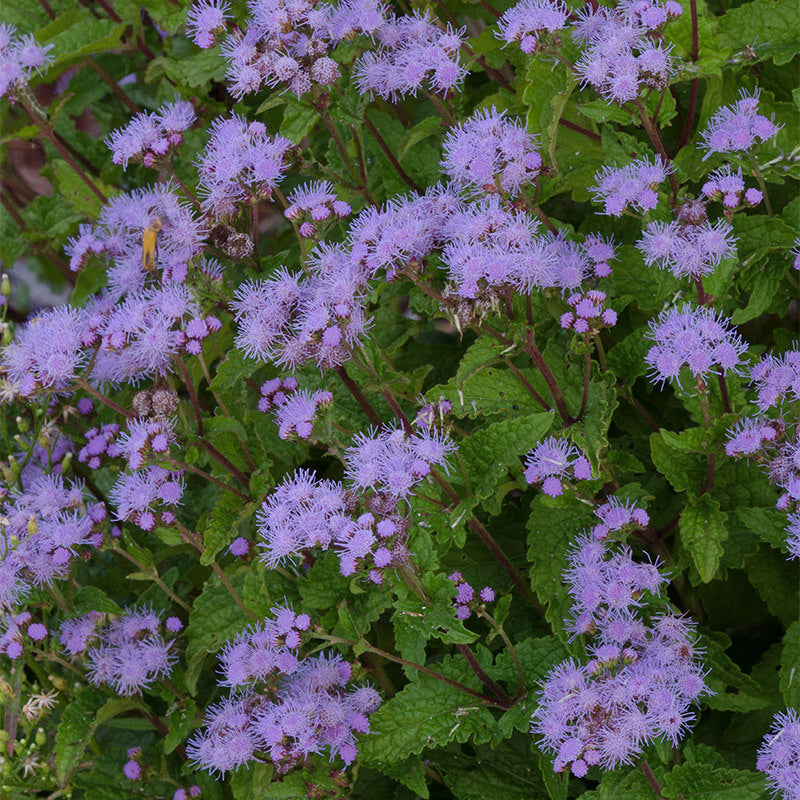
<point x="726" y="185"/>
<point x="139" y="337"/>
<point x="305" y="513"/>
<point x="641" y="676"/>
<point x="392" y="462"/>
<point x="76" y="634"/>
<point x="289" y="43"/>
<point x="16" y="629"/>
<point x="402" y="233"/>
<point x="616" y="515"/>
<point x="300" y="514"/>
<point x="140" y="496"/>
<point x="779" y="755"/>
<point x="411" y="50"/>
<point x="205" y="19"/>
<point x="99" y="441"/>
<point x="773" y="441"/>
<point x="46" y="525"/>
<point x="554" y="461"/>
<point x="303" y="705"/>
<point x="488" y="247"/>
<point x="687" y="249"/>
<point x="240" y="165"/>
<point x="275" y="392"/>
<point x="292" y="319"/>
<point x="314" y="203"/>
<point x="295" y="417"/>
<point x="491" y="153"/>
<point x="636" y="184"/>
<point x="47" y="351"/>
<point x="145" y="438"/>
<point x="131" y="653"/>
<point x="118" y="236"/>
<point x="738" y="127"/>
<point x="20" y="56"/>
<point x="777" y="379"/>
<point x="697" y="338"/>
<point x="532" y="23"/>
<point x="623" y="53"/>
<point x="588" y="314"/>
<point x="265" y="651"/>
<point x="467" y="599"/>
<point x="151" y="137"/>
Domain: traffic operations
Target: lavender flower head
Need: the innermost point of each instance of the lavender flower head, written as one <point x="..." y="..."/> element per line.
<point x="553" y="461"/>
<point x="142" y="495"/>
<point x="412" y="51"/>
<point x="47" y="525"/>
<point x="47" y="352"/>
<point x="150" y="137"/>
<point x="621" y="56"/>
<point x="131" y="653"/>
<point x="738" y="127"/>
<point x="241" y="164"/>
<point x="641" y="676"/>
<point x="393" y="462"/>
<point x="699" y="339"/>
<point x="728" y="186"/>
<point x="205" y="19"/>
<point x="118" y="237"/>
<point x="615" y="515"/>
<point x="636" y="184"/>
<point x="20" y="56"/>
<point x="301" y="513"/>
<point x="777" y="379"/>
<point x="530" y="21"/>
<point x="488" y="152"/>
<point x="687" y="250"/>
<point x="314" y="203"/>
<point x="779" y="755"/>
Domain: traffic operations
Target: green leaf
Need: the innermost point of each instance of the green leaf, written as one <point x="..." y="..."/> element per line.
<point x="75" y="729"/>
<point x="489" y="453"/>
<point x="422" y="130"/>
<point x="702" y="527"/>
<point x="768" y="524"/>
<point x="776" y="582"/>
<point x="733" y="689"/>
<point x="683" y="468"/>
<point x="215" y="618"/>
<point x="789" y="675"/>
<point x="551" y="533"/>
<point x="415" y="621"/>
<point x="424" y="714"/>
<point x="250" y="783"/>
<point x="768" y="28"/>
<point x="223" y="524"/>
<point x="75" y="192"/>
<point x="179" y="722"/>
<point x="505" y="772"/>
<point x="698" y="782"/>
<point x="76" y="34"/>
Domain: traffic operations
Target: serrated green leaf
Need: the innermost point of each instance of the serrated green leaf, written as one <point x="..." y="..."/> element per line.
<point x="698" y="781"/>
<point x="702" y="527"/>
<point x="551" y="533"/>
<point x="215" y="618"/>
<point x="424" y="714"/>
<point x="768" y="28"/>
<point x="684" y="469"/>
<point x="75" y="730"/>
